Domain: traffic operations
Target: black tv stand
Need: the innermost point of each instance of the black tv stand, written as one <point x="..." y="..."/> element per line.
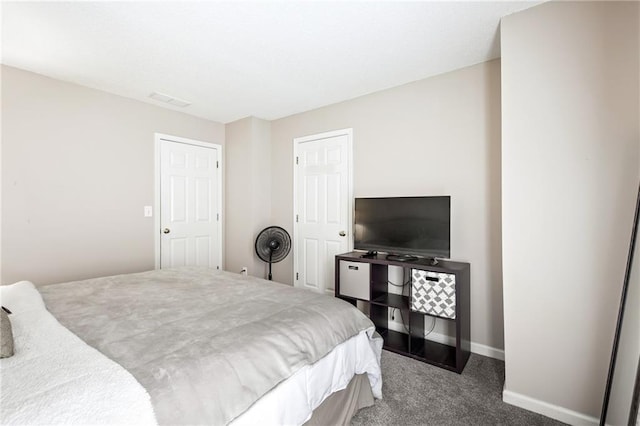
<point x="402" y="257"/>
<point x="365" y="281"/>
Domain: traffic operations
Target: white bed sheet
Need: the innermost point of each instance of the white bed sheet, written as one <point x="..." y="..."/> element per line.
<point x="293" y="401"/>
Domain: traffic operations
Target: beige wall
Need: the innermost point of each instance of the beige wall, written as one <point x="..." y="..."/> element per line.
<point x="570" y="170"/>
<point x="77" y="169"/>
<point x="439" y="136"/>
<point x="248" y="202"/>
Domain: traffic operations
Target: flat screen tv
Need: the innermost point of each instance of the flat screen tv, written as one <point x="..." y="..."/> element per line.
<point x="418" y="226"/>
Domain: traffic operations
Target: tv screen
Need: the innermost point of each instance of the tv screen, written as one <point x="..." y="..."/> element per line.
<point x="404" y="225"/>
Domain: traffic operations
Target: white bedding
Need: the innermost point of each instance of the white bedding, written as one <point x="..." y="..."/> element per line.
<point x="205" y="344"/>
<point x="292" y="401"/>
<point x="56" y="378"/>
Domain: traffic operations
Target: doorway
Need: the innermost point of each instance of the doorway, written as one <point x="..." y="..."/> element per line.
<point x="188" y="203"/>
<point x="323" y="207"/>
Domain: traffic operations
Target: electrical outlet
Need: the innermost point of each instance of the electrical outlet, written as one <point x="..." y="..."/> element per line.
<point x="244" y="270"/>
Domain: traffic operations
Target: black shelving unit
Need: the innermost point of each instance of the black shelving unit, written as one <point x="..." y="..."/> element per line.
<point x="369" y="285"/>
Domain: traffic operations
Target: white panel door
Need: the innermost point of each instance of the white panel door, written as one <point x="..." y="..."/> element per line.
<point x="323" y="208"/>
<point x="189" y="205"/>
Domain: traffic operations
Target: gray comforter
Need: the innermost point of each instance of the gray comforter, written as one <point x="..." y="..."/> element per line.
<point x="205" y="344"/>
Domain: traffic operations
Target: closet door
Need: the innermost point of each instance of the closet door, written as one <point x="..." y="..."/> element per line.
<point x="189" y="205"/>
<point x="323" y="207"/>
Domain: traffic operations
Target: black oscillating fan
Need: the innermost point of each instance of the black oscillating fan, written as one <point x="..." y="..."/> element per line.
<point x="272" y="245"/>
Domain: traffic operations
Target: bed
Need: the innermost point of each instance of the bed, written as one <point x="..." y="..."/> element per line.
<point x="186" y="346"/>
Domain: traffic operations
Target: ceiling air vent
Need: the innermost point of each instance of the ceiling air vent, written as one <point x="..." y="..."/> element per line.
<point x="169" y="99"/>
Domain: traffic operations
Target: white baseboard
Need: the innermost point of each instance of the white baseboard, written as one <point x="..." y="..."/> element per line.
<point x="554" y="411"/>
<point x="476" y="348"/>
<point x="485" y="350"/>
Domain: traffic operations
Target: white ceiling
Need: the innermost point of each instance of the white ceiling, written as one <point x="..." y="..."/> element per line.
<point x="236" y="59"/>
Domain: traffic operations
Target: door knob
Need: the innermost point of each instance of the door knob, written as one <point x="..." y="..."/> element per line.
<point x="166" y="230"/>
<point x="342" y="233"/>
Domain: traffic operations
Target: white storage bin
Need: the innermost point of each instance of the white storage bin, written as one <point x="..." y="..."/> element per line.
<point x="354" y="279"/>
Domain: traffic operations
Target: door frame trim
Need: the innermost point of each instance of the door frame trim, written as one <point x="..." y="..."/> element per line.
<point x="158" y="138"/>
<point x="296" y="143"/>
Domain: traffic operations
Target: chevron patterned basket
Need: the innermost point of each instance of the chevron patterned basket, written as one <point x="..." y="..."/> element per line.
<point x="433" y="293"/>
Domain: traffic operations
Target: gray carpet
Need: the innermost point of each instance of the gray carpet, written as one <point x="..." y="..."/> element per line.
<point x="416" y="393"/>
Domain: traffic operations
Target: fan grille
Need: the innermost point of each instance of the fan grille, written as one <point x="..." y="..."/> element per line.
<point x="273" y="242"/>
